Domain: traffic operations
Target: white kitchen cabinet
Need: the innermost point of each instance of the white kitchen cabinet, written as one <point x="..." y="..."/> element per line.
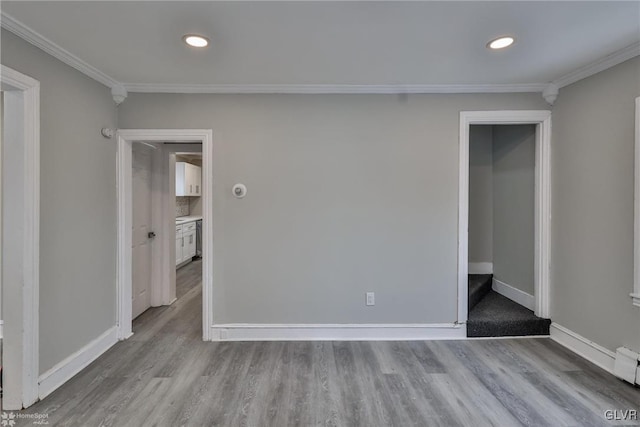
<point x="197" y="180"/>
<point x="189" y="250"/>
<point x="185" y="242"/>
<point x="179" y="245"/>
<point x="188" y="179"/>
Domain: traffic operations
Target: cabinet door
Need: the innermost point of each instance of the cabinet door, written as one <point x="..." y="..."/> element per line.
<point x="181" y="185"/>
<point x="198" y="180"/>
<point x="179" y="243"/>
<point x="189" y="250"/>
<point x="192" y="244"/>
<point x="190" y="179"/>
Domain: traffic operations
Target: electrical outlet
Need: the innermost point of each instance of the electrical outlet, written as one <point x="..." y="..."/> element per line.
<point x="371" y="298"/>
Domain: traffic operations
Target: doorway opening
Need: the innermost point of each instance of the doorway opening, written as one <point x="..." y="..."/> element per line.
<point x="504" y="223"/>
<point x="501" y="232"/>
<point x="153" y="218"/>
<point x="158" y="168"/>
<point x="187" y="166"/>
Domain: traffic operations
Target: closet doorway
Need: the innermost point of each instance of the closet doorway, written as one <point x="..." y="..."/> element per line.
<point x="531" y="132"/>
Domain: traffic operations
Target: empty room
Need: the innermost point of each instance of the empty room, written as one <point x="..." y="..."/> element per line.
<point x="296" y="213"/>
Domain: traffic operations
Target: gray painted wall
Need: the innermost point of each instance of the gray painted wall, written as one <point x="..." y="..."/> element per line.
<point x="514" y="205"/>
<point x="481" y="193"/>
<point x="592" y="207"/>
<point x="346" y="194"/>
<point x="78" y="202"/>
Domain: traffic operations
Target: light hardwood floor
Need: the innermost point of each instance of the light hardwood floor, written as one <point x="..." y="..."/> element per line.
<point x="166" y="376"/>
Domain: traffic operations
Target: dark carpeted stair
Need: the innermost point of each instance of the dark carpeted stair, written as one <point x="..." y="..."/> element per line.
<point x="497" y="316"/>
<point x="479" y="287"/>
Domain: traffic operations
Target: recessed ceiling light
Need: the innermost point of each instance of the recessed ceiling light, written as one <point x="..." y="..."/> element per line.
<point x="501" y="42"/>
<point x="195" y="40"/>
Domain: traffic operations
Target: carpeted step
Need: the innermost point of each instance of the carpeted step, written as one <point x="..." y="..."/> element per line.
<point x="498" y="316"/>
<point x="479" y="286"/>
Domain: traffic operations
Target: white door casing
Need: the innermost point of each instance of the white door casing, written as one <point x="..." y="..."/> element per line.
<point x="166" y="230"/>
<point x="635" y="295"/>
<point x="542" y="120"/>
<point x="20" y="238"/>
<point x="141" y="227"/>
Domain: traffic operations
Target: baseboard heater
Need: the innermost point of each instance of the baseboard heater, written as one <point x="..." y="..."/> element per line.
<point x="626" y="365"/>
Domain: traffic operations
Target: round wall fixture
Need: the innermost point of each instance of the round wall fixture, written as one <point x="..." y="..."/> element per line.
<point x="239" y="191"/>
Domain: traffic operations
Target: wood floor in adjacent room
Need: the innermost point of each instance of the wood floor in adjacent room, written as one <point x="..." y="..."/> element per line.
<point x="165" y="376"/>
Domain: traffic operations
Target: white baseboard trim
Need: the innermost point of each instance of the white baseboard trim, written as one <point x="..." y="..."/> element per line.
<point x="65" y="370"/>
<point x="514" y="294"/>
<point x="480" y="268"/>
<point x="583" y="347"/>
<point x="337" y="332"/>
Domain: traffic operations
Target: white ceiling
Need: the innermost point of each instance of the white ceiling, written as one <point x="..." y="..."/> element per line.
<point x="367" y="43"/>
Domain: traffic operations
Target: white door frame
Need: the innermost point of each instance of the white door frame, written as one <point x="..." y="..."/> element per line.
<point x="635" y="295"/>
<point x="20" y="238"/>
<point x="125" y="138"/>
<point x="541" y="118"/>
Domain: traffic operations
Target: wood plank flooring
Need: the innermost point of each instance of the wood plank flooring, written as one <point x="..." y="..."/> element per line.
<point x="166" y="376"/>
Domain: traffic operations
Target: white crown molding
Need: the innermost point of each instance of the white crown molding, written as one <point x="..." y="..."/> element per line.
<point x="601" y="64"/>
<point x="550" y="93"/>
<point x="331" y="88"/>
<point x="119" y="93"/>
<point x="21" y="30"/>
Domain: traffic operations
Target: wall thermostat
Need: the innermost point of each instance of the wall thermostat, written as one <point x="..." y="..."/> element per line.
<point x="239" y="191"/>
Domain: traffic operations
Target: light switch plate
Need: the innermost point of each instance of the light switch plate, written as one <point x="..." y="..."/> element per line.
<point x="371" y="298"/>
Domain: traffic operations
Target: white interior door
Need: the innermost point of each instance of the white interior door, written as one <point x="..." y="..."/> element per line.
<point x="141" y="242"/>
